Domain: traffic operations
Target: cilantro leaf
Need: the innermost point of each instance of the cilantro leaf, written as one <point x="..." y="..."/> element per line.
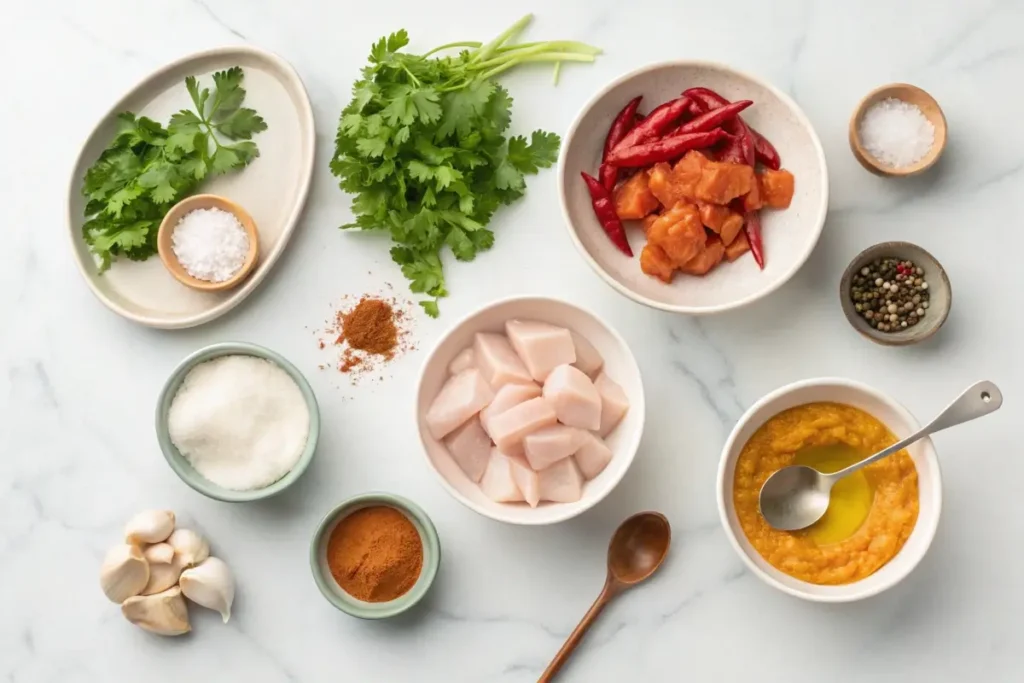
<point x="241" y="124"/>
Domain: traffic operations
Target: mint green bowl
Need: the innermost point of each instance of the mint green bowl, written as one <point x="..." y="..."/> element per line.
<point x="375" y="610"/>
<point x="184" y="469"/>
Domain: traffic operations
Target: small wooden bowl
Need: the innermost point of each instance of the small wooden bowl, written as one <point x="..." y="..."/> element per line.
<point x="940" y="300"/>
<point x="912" y="95"/>
<point x="206" y="201"/>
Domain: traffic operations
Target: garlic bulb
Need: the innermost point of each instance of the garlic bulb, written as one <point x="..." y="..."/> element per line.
<point x="124" y="573"/>
<point x="211" y="585"/>
<point x="164" y="613"/>
<point x="151" y="526"/>
<point x="162" y="576"/>
<point x="159" y="553"/>
<point x="190" y="547"/>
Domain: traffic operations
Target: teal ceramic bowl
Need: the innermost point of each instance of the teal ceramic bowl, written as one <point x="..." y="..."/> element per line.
<point x="185" y="470"/>
<point x="375" y="610"/>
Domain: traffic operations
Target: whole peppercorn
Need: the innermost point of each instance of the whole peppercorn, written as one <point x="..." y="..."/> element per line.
<point x="890" y="294"/>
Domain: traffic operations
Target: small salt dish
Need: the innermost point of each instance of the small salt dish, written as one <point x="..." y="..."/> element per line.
<point x="910" y="94"/>
<point x="206" y="201"/>
<point x="940" y="301"/>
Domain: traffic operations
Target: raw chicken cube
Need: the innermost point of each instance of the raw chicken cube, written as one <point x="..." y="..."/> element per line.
<point x="713" y="215"/>
<point x="547" y="446"/>
<point x="752" y="201"/>
<point x="588" y="359"/>
<point x="542" y="347"/>
<point x="562" y="482"/>
<point x="507" y="397"/>
<point x="497" y="361"/>
<point x="461" y="397"/>
<point x="470" y="447"/>
<point x="497" y="482"/>
<point x="576" y="401"/>
<point x="593" y="456"/>
<point x="508" y="429"/>
<point x="633" y="199"/>
<point x="732" y="227"/>
<point x="614" y="403"/>
<point x="463" y="361"/>
<point x="687" y="173"/>
<point x="526" y="479"/>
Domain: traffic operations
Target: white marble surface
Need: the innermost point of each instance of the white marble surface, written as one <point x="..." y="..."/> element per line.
<point x="78" y="384"/>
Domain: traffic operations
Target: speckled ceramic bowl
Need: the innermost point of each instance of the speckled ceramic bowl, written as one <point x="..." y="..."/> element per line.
<point x="375" y="610"/>
<point x="789" y="236"/>
<point x="185" y="470"/>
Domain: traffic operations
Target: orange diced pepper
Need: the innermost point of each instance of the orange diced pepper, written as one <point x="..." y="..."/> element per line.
<point x="656" y="263"/>
<point x="633" y="198"/>
<point x="720" y="182"/>
<point x="732" y="226"/>
<point x="708" y="258"/>
<point x="777" y="188"/>
<point x="739" y="247"/>
<point x="678" y="232"/>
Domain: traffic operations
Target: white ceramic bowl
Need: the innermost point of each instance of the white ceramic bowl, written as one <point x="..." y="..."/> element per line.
<point x="899" y="421"/>
<point x="619" y="363"/>
<point x="789" y="235"/>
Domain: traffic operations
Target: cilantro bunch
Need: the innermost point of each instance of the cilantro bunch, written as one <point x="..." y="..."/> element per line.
<point x="422" y="146"/>
<point x="147" y="168"/>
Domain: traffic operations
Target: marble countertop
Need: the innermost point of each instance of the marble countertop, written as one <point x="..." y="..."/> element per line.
<point x="78" y="384"/>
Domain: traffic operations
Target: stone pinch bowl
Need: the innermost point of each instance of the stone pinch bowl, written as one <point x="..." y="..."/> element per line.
<point x="206" y="201"/>
<point x="184" y="469"/>
<point x="912" y="95"/>
<point x="938" y="286"/>
<point x="375" y="610"/>
<point x="789" y="235"/>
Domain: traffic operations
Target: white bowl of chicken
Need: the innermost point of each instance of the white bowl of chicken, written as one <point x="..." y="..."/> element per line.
<point x="530" y="410"/>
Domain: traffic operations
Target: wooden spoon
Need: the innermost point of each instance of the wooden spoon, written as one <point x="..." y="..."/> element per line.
<point x="637" y="549"/>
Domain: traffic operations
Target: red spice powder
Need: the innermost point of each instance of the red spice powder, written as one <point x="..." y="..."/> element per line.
<point x="371" y="331"/>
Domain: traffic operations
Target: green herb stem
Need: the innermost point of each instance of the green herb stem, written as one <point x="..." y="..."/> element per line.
<point x="448" y="46"/>
<point x="515" y="29"/>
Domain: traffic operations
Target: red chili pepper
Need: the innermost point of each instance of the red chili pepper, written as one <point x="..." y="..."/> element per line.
<point x="604" y="208"/>
<point x="714" y="118"/>
<point x="623" y="123"/>
<point x="752" y="226"/>
<point x="665" y="149"/>
<point x="657" y="123"/>
<point x="765" y="152"/>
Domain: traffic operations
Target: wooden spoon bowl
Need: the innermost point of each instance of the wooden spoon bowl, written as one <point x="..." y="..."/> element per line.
<point x="206" y="201"/>
<point x="912" y="95"/>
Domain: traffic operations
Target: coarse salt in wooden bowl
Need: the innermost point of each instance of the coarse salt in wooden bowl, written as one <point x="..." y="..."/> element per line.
<point x="206" y="201"/>
<point x="910" y="94"/>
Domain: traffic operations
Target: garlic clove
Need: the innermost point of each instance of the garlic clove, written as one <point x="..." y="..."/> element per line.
<point x="190" y="547"/>
<point x="159" y="553"/>
<point x="150" y="526"/>
<point x="124" y="572"/>
<point x="164" y="613"/>
<point x="211" y="585"/>
<point x="162" y="576"/>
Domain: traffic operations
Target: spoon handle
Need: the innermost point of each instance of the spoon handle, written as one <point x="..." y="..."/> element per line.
<point x="978" y="400"/>
<point x="607" y="593"/>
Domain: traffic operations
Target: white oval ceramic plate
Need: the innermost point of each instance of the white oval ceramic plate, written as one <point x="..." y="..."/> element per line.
<point x="789" y="236"/>
<point x="272" y="188"/>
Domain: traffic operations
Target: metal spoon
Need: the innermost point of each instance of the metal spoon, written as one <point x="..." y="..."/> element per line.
<point x="796" y="497"/>
<point x="637" y="549"/>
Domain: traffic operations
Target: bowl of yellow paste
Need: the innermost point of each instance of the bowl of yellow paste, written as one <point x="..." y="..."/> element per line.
<point x="880" y="521"/>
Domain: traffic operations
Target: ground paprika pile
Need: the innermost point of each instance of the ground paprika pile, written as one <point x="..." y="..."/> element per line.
<point x="370" y="327"/>
<point x="375" y="554"/>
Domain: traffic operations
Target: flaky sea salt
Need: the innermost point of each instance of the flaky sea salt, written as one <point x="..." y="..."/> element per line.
<point x="210" y="244"/>
<point x="896" y="133"/>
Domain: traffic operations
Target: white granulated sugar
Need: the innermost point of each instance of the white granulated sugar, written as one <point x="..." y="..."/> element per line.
<point x="241" y="421"/>
<point x="210" y="244"/>
<point x="896" y="133"/>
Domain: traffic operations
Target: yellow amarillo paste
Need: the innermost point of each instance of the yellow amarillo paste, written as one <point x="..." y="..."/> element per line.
<point x="870" y="517"/>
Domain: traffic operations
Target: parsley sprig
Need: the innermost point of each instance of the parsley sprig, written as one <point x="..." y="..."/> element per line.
<point x="146" y="168"/>
<point x="422" y="147"/>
